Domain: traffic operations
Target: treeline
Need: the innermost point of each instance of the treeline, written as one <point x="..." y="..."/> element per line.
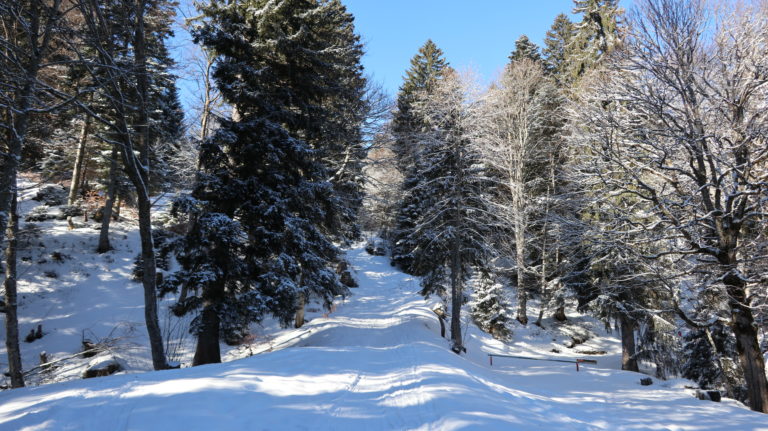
<point x="272" y="165"/>
<point x="621" y="167"/>
<point x="87" y="92"/>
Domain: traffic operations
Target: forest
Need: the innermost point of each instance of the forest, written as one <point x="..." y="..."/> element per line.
<point x="619" y="171"/>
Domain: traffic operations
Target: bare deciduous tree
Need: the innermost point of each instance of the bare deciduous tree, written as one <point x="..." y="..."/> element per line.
<point x="510" y="140"/>
<point x="677" y="123"/>
<point x="130" y="138"/>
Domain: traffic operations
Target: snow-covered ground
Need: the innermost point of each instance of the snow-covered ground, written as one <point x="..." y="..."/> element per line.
<point x="376" y="363"/>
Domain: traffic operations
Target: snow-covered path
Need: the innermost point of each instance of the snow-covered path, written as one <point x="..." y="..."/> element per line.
<point x="376" y="363"/>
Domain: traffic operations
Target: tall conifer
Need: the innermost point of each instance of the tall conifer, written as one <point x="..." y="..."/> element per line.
<point x="595" y="36"/>
<point x="428" y="68"/>
<point x="555" y="49"/>
<point x="265" y="205"/>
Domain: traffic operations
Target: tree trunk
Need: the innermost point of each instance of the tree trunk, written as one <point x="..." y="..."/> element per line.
<point x="299" y="319"/>
<point x="11" y="318"/>
<point x="149" y="281"/>
<point x="9" y="162"/>
<point x="628" y="360"/>
<point x="522" y="295"/>
<point x="106" y="219"/>
<point x="77" y="172"/>
<point x="457" y="294"/>
<point x="18" y="115"/>
<point x="560" y="314"/>
<point x="118" y="204"/>
<point x="208" y="351"/>
<point x="456" y="297"/>
<point x="139" y="174"/>
<point x="208" y="98"/>
<point x="747" y="346"/>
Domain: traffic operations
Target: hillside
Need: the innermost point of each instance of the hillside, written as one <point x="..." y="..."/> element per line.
<point x="376" y="363"/>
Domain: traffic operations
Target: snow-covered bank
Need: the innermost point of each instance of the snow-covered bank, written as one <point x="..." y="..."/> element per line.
<point x="376" y="363"/>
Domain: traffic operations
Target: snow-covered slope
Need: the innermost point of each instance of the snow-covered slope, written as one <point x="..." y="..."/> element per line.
<point x="376" y="363"/>
<point x="77" y="294"/>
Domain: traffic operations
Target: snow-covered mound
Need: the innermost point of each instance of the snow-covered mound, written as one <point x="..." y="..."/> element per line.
<point x="376" y="363"/>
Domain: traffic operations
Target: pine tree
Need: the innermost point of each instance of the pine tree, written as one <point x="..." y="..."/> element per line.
<point x="524" y="48"/>
<point x="428" y="68"/>
<point x="264" y="205"/>
<point x="555" y="50"/>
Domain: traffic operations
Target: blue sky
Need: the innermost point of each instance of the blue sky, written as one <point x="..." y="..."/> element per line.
<point x="473" y="33"/>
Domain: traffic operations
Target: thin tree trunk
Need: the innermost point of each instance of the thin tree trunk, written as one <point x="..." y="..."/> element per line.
<point x="522" y="295"/>
<point x="628" y="350"/>
<point x="106" y="218"/>
<point x="208" y="96"/>
<point x="545" y="294"/>
<point x="541" y="316"/>
<point x="10" y="165"/>
<point x="77" y="172"/>
<point x="747" y="346"/>
<point x="139" y="173"/>
<point x="11" y="318"/>
<point x="208" y="350"/>
<point x="456" y="296"/>
<point x="39" y="27"/>
<point x="118" y="205"/>
<point x="149" y="281"/>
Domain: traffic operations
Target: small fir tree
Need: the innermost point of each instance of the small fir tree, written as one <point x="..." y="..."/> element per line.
<point x="489" y="307"/>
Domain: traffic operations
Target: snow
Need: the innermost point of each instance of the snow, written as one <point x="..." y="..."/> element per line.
<point x="376" y="362"/>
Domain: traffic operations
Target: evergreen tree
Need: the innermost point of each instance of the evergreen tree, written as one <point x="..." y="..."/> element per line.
<point x="555" y="50"/>
<point x="428" y="68"/>
<point x="263" y="204"/>
<point x="524" y="48"/>
<point x="596" y="35"/>
<point x="489" y="307"/>
<point x="711" y="360"/>
<point x="448" y="238"/>
<point x="166" y="114"/>
<point x="335" y="109"/>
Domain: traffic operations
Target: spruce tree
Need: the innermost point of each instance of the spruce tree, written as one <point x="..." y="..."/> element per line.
<point x="450" y="229"/>
<point x="524" y="48"/>
<point x="555" y="51"/>
<point x="264" y="205"/>
<point x="596" y="35"/>
<point x="489" y="307"/>
<point x="428" y="68"/>
<point x="166" y="114"/>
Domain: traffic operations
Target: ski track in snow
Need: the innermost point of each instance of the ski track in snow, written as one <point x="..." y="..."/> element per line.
<point x="376" y="363"/>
